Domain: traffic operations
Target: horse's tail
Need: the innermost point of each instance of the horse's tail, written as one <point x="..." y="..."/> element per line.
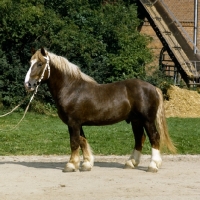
<point x="161" y="124"/>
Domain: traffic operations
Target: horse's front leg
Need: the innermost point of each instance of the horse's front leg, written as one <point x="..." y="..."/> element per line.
<point x="74" y="162"/>
<point x="88" y="159"/>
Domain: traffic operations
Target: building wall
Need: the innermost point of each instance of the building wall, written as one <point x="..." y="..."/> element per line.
<point x="183" y="10"/>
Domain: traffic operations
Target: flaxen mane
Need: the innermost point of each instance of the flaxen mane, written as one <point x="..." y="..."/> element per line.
<point x="69" y="68"/>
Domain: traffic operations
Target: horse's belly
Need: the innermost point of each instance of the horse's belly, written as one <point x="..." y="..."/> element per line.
<point x="108" y="116"/>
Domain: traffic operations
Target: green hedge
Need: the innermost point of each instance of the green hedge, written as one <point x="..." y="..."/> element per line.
<point x="101" y="37"/>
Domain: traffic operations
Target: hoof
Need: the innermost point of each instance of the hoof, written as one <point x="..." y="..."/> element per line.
<point x="159" y="163"/>
<point x="151" y="169"/>
<point x="86" y="166"/>
<point x="129" y="164"/>
<point x="70" y="168"/>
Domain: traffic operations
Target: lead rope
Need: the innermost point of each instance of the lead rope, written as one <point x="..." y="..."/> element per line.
<point x="32" y="97"/>
<point x="14" y="108"/>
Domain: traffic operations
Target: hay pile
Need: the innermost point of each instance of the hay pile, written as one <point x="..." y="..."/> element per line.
<point x="182" y="103"/>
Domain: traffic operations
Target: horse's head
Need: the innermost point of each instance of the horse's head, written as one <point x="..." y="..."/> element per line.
<point x="39" y="69"/>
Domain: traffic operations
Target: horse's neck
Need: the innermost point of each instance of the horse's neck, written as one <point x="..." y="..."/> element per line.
<point x="61" y="82"/>
<point x="56" y="82"/>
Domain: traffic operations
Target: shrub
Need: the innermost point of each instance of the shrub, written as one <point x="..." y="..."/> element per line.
<point x="101" y="37"/>
<point x="160" y="80"/>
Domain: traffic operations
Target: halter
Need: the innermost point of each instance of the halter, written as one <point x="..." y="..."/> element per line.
<point x="47" y="67"/>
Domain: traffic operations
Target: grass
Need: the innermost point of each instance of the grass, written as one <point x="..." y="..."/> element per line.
<point x="185" y="132"/>
<point x="48" y="135"/>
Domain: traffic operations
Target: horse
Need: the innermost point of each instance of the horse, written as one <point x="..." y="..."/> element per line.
<point x="81" y="101"/>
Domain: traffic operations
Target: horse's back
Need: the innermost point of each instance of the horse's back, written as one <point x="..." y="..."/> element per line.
<point x="143" y="98"/>
<point x="140" y="88"/>
<point x="139" y="98"/>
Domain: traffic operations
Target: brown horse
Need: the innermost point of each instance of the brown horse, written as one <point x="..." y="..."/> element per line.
<point x="81" y="101"/>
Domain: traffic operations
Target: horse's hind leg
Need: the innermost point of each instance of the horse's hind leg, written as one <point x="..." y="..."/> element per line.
<point x="74" y="162"/>
<point x="88" y="159"/>
<point x="154" y="138"/>
<point x="140" y="137"/>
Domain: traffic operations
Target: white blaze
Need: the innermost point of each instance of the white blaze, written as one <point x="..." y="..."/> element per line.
<point x="29" y="71"/>
<point x="27" y="80"/>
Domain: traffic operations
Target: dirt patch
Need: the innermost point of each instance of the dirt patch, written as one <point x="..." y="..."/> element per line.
<point x="41" y="177"/>
<point x="182" y="103"/>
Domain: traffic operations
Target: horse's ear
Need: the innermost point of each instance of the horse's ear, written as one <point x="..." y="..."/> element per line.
<point x="33" y="51"/>
<point x="43" y="51"/>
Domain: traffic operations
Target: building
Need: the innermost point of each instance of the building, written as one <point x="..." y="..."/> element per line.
<point x="173" y="25"/>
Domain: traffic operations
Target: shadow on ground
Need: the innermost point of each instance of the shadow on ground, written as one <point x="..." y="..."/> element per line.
<point x="60" y="165"/>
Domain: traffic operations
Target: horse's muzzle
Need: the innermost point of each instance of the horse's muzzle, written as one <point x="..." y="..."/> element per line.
<point x="29" y="87"/>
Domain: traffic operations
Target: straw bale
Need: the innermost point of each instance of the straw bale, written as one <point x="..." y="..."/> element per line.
<point x="182" y="103"/>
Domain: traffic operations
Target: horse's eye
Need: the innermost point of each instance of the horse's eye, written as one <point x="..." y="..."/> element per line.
<point x="39" y="64"/>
